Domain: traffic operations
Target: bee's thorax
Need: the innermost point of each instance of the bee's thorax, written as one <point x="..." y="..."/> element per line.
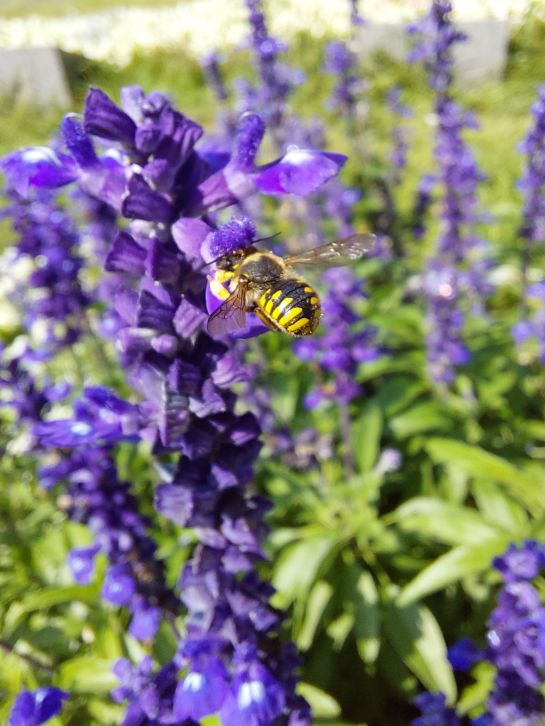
<point x="262" y="268"/>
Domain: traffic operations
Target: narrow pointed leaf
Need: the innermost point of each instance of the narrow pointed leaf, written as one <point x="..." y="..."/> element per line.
<point x="417" y="638"/>
<point x="456" y="564"/>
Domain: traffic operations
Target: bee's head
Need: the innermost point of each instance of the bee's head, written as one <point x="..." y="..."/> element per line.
<point x="232" y="259"/>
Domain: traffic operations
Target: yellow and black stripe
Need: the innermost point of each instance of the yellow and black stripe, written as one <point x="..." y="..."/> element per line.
<point x="290" y="305"/>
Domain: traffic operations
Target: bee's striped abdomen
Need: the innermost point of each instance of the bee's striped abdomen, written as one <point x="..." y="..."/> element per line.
<point x="290" y="305"/>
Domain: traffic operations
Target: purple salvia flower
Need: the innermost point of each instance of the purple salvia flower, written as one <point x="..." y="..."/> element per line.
<point x="341" y="349"/>
<point x="356" y="19"/>
<point x="182" y="377"/>
<point x="275" y="80"/>
<point x="399" y="111"/>
<point x="453" y="273"/>
<point x="515" y="647"/>
<point x="186" y="411"/>
<point x="214" y="76"/>
<point x="516" y="637"/>
<point x="532" y="228"/>
<point x="422" y="203"/>
<point x="532" y="328"/>
<point x="341" y="62"/>
<point x="518" y="564"/>
<point x="532" y="182"/>
<point x="434" y="711"/>
<point x="150" y="694"/>
<point x="100" y="417"/>
<point x="463" y="655"/>
<point x="94" y="496"/>
<point x="52" y="293"/>
<point x="436" y="35"/>
<point x="444" y="321"/>
<point x="139" y="190"/>
<point x="97" y="498"/>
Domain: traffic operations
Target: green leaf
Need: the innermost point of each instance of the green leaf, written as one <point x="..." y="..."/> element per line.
<point x="318" y="599"/>
<point x="322" y="704"/>
<point x="417" y="638"/>
<point x="456" y="564"/>
<point x="299" y="564"/>
<point x="339" y="629"/>
<point x="449" y="523"/>
<point x="105" y="713"/>
<point x="50" y="596"/>
<point x="498" y="506"/>
<point x="286" y="395"/>
<point x="423" y="416"/>
<point x="366" y="618"/>
<point x="87" y="674"/>
<point x="393" y="670"/>
<point x="365" y="437"/>
<point x="476" y="693"/>
<point x="398" y="393"/>
<point x="481" y="464"/>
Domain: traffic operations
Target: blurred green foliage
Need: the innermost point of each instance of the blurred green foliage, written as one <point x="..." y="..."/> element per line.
<point x="380" y="570"/>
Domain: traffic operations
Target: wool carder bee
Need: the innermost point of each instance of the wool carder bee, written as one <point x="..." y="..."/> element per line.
<point x="266" y="284"/>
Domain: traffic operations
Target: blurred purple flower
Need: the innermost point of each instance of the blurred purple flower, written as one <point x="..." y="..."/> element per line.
<point x="81" y="561"/>
<point x="532" y="182"/>
<point x="456" y="273"/>
<point x="399" y="111"/>
<point x="341" y="62"/>
<point x="342" y="347"/>
<point x="533" y="326"/>
<point x="355" y="18"/>
<point x="515" y="647"/>
<point x="275" y="79"/>
<point x="99" y="418"/>
<point x="463" y="655"/>
<point x="214" y="77"/>
<point x="435" y="37"/>
<point x="134" y="577"/>
<point x="434" y="711"/>
<point x="32" y="708"/>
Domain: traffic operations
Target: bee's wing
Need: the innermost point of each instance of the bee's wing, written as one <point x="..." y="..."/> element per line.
<point x="335" y="254"/>
<point x="230" y="315"/>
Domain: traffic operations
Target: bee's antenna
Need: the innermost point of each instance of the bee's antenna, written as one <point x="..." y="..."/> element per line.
<point x="253" y="242"/>
<point x="265" y="239"/>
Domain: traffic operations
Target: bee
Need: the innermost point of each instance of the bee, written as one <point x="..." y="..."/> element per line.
<point x="267" y="285"/>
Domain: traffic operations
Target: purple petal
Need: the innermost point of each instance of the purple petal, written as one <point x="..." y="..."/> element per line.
<point x="189" y="234"/>
<point x="78" y="142"/>
<point x="254" y="699"/>
<point x="125" y="255"/>
<point x="250" y="132"/>
<point x="32" y="708"/>
<point x="103" y="118"/>
<point x="201" y="692"/>
<point x="119" y="586"/>
<point x="143" y="202"/>
<point x="188" y="318"/>
<point x="38" y="166"/>
<point x="300" y="171"/>
<point x="145" y="623"/>
<point x="81" y="562"/>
